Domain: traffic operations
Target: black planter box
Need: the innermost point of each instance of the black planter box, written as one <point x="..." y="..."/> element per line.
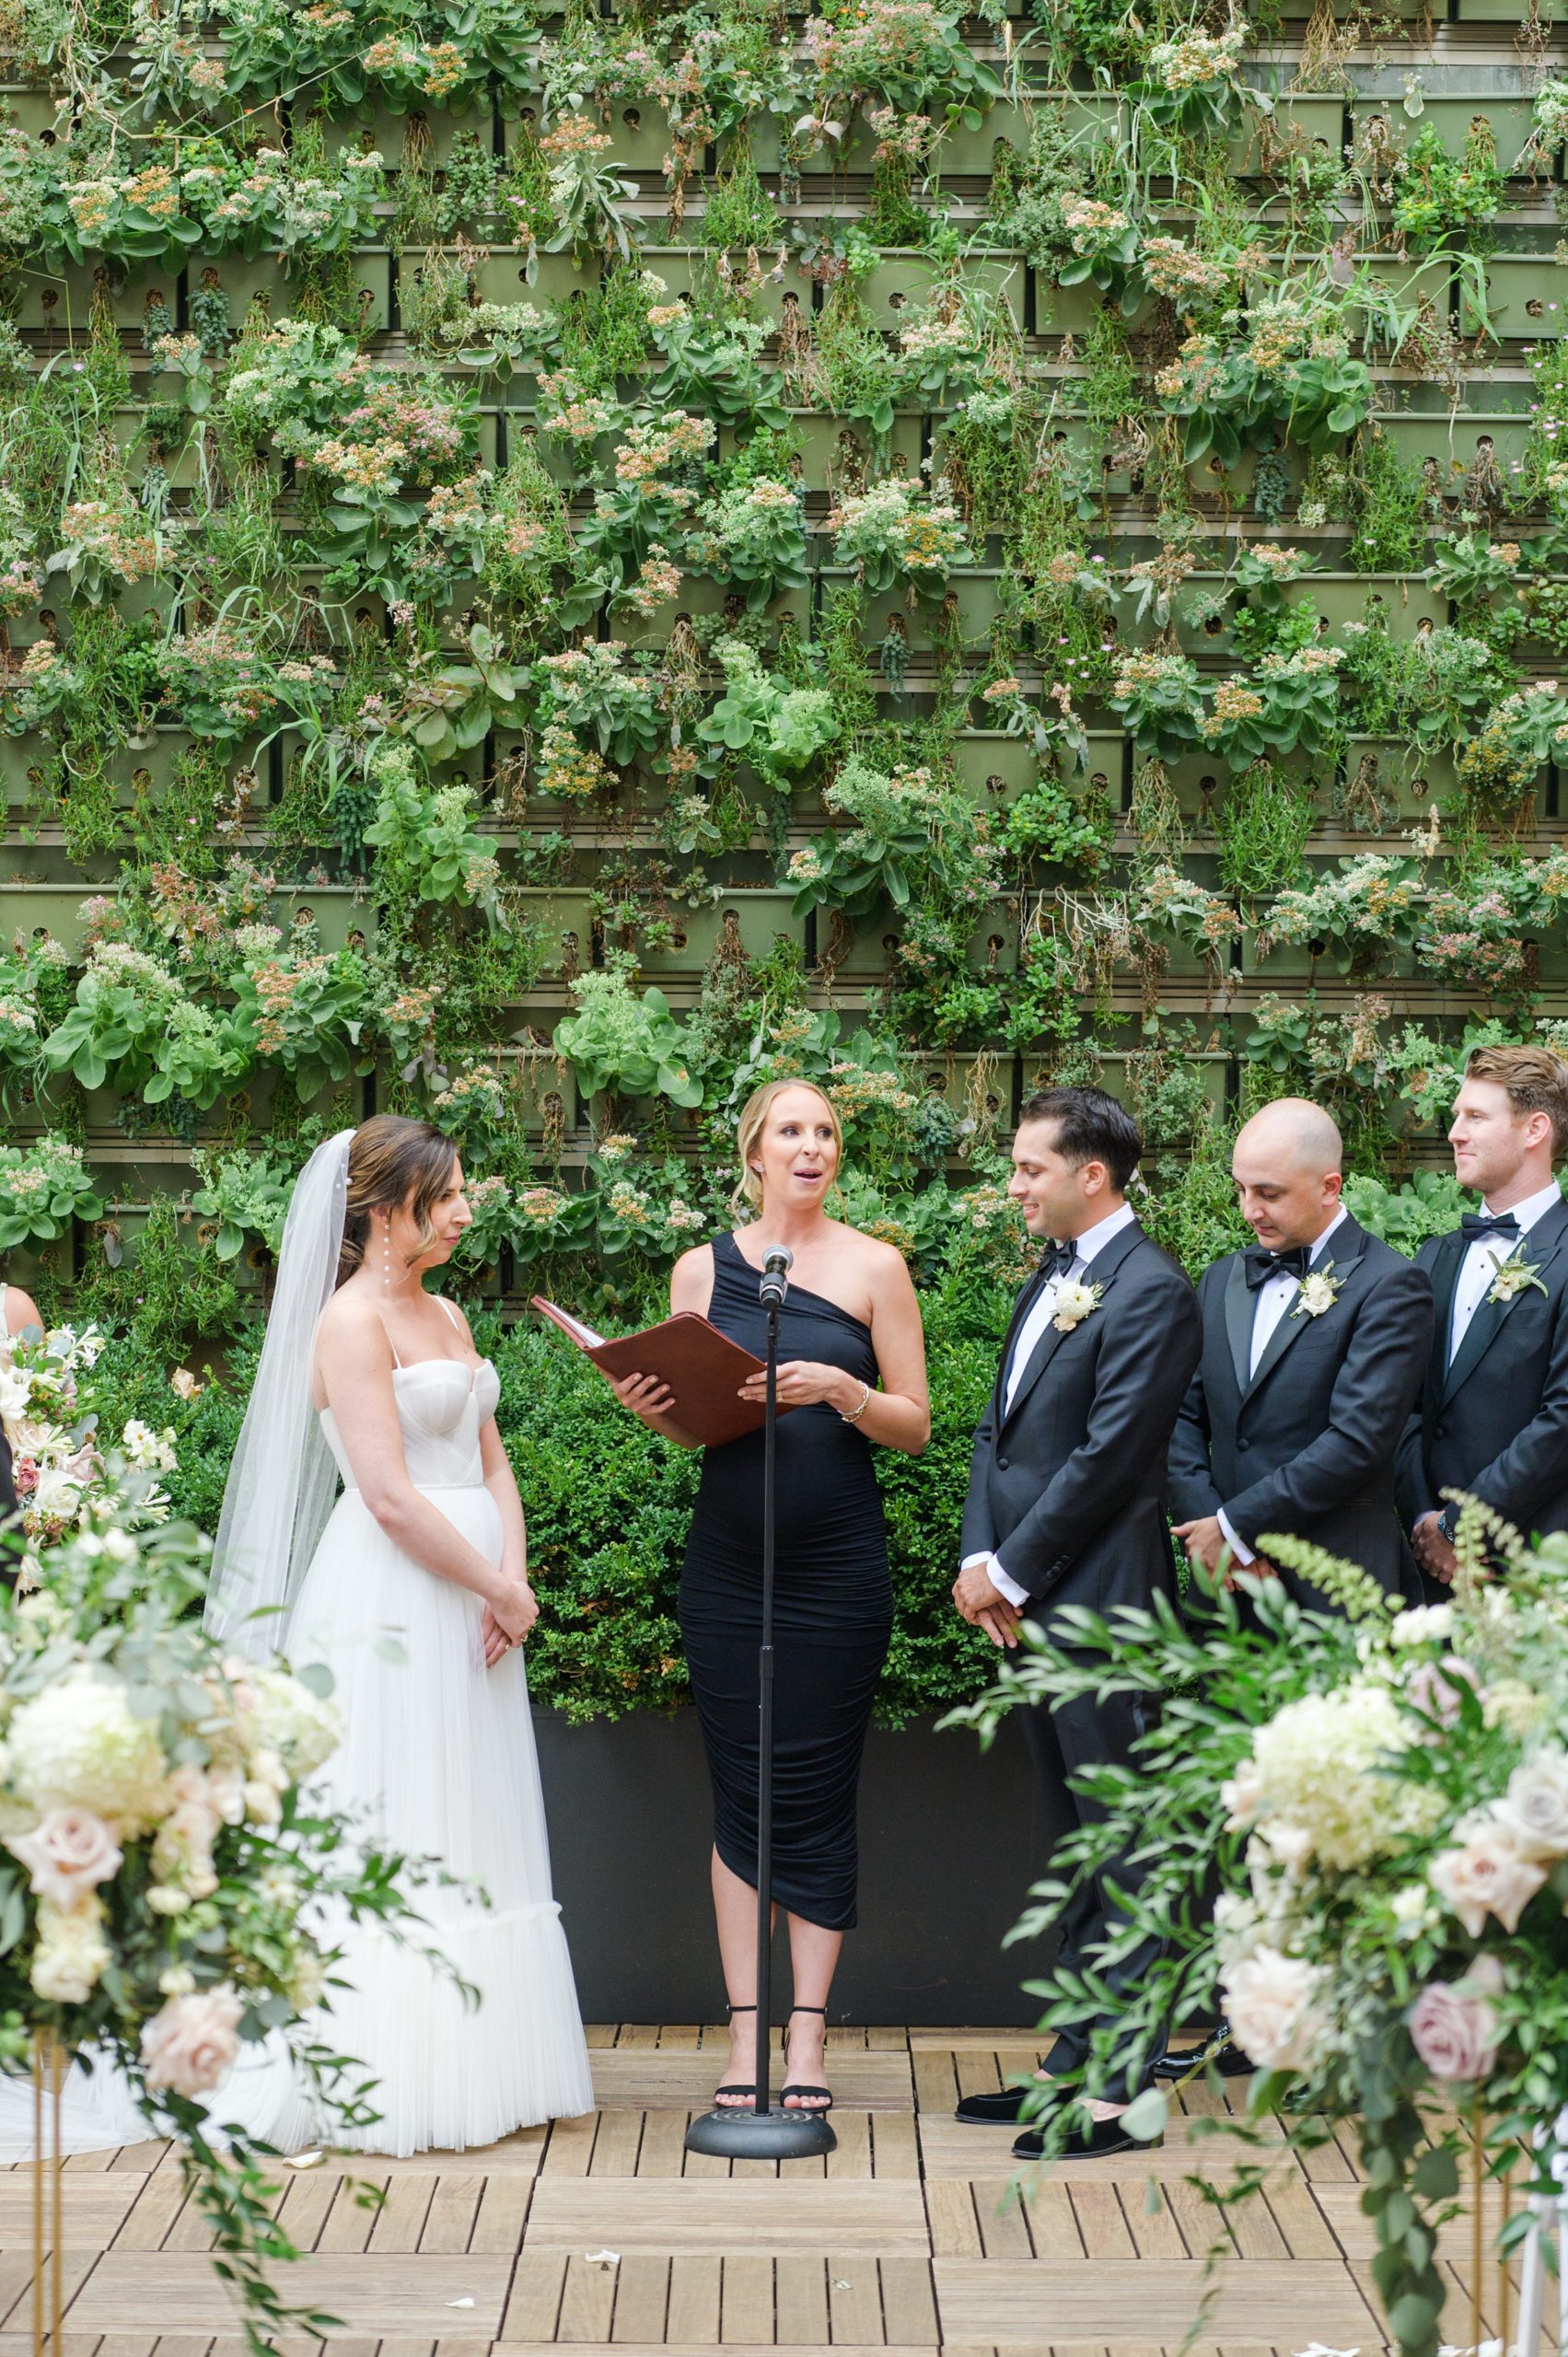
<point x="948" y="1847"/>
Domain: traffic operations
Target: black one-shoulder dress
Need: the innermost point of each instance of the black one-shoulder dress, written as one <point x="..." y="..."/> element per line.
<point x="832" y="1612"/>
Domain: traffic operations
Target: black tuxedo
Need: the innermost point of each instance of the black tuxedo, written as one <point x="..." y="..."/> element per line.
<point x="1067" y="1488"/>
<point x="1306" y="1445"/>
<point x="1495" y="1423"/>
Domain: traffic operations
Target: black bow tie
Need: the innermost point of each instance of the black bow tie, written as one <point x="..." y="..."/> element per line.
<point x="1481" y="1224"/>
<point x="1261" y="1265"/>
<point x="1056" y="1260"/>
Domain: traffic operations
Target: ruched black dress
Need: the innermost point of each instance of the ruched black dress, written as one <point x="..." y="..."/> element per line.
<point x="832" y="1612"/>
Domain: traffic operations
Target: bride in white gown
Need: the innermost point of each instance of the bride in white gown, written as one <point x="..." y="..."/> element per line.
<point x="415" y="1595"/>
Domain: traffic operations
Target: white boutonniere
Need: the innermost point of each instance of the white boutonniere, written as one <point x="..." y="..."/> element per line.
<point x="1515" y="1275"/>
<point x="1319" y="1291"/>
<point x="1074" y="1304"/>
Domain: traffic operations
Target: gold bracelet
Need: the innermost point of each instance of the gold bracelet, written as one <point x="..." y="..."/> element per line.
<point x="856" y="1417"/>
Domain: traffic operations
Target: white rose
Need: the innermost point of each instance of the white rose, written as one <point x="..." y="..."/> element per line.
<point x="1268" y="2003"/>
<point x="1533" y="1809"/>
<point x="68" y="1853"/>
<point x="72" y="1953"/>
<point x="1074" y="1303"/>
<point x="15" y="1390"/>
<point x="56" y="1495"/>
<point x="1317" y="1295"/>
<point x="190" y="2045"/>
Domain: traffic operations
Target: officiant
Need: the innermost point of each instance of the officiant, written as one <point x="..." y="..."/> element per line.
<point x="852" y="1373"/>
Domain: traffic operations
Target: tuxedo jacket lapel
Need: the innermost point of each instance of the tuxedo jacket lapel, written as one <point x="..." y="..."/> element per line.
<point x="1239" y="1306"/>
<point x="1536" y="1249"/>
<point x="1015" y="1325"/>
<point x="1349" y="1243"/>
<point x="1100" y="1272"/>
<point x="1444" y="1278"/>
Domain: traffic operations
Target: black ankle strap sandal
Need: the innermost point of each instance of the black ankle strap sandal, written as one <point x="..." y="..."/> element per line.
<point x="737" y="2087"/>
<point x="820" y="2099"/>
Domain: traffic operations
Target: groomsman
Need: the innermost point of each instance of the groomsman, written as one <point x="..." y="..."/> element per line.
<point x="1066" y="1502"/>
<point x="1316" y="1342"/>
<point x="1493" y="1414"/>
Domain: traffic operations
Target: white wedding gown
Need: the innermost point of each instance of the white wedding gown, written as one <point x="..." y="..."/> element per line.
<point x="438" y="1760"/>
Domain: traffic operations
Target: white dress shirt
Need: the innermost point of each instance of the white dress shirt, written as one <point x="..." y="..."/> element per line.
<point x="1274" y="1298"/>
<point x="1042" y="1310"/>
<point x="1478" y="1270"/>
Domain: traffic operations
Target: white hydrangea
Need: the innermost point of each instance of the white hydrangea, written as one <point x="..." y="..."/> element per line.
<point x="1423" y="1624"/>
<point x="301" y="1728"/>
<point x="1320" y="1763"/>
<point x="78" y="1746"/>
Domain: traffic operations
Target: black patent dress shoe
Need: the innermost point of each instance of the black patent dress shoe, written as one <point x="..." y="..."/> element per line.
<point x="1002" y="2109"/>
<point x="1219" y="2049"/>
<point x="1097" y="2142"/>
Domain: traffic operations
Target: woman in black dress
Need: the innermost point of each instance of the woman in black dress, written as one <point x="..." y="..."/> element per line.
<point x="852" y="1367"/>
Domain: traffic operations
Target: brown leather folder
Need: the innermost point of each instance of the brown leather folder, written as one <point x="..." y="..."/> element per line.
<point x="702" y="1367"/>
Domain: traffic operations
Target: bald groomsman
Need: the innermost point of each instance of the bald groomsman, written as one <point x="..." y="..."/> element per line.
<point x="1316" y="1342"/>
<point x="1493" y="1417"/>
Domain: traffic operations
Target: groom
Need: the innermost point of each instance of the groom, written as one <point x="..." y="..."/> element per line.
<point x="1066" y="1502"/>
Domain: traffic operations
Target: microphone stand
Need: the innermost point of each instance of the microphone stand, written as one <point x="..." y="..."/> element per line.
<point x="769" y="2131"/>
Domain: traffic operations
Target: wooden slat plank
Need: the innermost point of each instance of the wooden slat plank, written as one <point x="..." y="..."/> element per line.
<point x="854" y="2296"/>
<point x="746" y="2299"/>
<point x="454" y="2206"/>
<point x="535" y="2301"/>
<point x="1306" y="2232"/>
<point x="644" y="2079"/>
<point x="908" y="2303"/>
<point x="694" y="2299"/>
<point x="1053" y="2223"/>
<point x="616" y="2145"/>
<point x="587" y="2299"/>
<point x="570" y="2148"/>
<point x="1152" y="2224"/>
<point x="382" y="2292"/>
<point x="1150" y="2299"/>
<point x="1100" y="2221"/>
<point x="503" y="2209"/>
<point x="400" y="2222"/>
<point x="352" y="2218"/>
<point x="895" y="2146"/>
<point x="1004" y="2229"/>
<point x="800" y="2302"/>
<point x="852" y="2156"/>
<point x="954" y="2230"/>
<point x="687" y="2216"/>
<point x="642" y="2297"/>
<point x="663" y="2149"/>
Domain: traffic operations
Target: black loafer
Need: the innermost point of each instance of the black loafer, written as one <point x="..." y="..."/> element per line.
<point x="1097" y="2142"/>
<point x="1219" y="2051"/>
<point x="1004" y="2109"/>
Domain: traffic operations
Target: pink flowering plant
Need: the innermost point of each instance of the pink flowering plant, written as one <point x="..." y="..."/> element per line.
<point x="1382" y="1796"/>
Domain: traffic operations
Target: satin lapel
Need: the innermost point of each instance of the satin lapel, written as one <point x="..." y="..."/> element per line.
<point x="1101" y="1271"/>
<point x="1020" y="1312"/>
<point x="1239" y="1306"/>
<point x="1538" y="1248"/>
<point x="1445" y="1278"/>
<point x="1348" y="1246"/>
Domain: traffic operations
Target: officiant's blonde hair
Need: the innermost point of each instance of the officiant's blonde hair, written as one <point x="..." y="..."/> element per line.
<point x="753" y="1121"/>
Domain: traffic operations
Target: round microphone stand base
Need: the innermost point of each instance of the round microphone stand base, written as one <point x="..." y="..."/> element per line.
<point x="742" y="2134"/>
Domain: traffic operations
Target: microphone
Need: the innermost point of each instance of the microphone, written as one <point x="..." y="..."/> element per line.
<point x="777" y="1262"/>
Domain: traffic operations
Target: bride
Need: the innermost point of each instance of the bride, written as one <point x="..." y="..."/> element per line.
<point x="413" y="1590"/>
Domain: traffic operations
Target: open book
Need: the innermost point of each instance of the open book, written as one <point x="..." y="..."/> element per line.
<point x="702" y="1367"/>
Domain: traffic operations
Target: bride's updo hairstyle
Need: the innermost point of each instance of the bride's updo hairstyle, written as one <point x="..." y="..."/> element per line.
<point x="393" y="1164"/>
<point x="754" y="1121"/>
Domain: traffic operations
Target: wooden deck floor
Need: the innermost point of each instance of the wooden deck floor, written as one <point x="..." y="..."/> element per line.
<point x="605" y="2235"/>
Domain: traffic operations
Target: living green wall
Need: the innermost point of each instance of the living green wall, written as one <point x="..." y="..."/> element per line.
<point x="555" y="565"/>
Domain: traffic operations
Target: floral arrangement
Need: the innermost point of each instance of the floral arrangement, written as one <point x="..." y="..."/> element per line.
<point x="1383" y="1793"/>
<point x="160" y="1867"/>
<point x="57" y="1463"/>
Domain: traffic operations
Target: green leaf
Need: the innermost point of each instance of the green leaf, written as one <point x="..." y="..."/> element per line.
<point x="1145" y="2116"/>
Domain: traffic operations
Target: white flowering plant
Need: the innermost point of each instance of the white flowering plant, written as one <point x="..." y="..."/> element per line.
<point x="50" y="1417"/>
<point x="164" y="1875"/>
<point x="1380" y="1798"/>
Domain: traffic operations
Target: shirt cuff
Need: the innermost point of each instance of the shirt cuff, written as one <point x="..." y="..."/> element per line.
<point x="1009" y="1588"/>
<point x="1238" y="1547"/>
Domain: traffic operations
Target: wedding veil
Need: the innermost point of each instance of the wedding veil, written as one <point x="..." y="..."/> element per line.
<point x="280" y="1484"/>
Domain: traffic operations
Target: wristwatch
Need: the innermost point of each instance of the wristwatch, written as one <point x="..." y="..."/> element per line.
<point x="1448" y="1524"/>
